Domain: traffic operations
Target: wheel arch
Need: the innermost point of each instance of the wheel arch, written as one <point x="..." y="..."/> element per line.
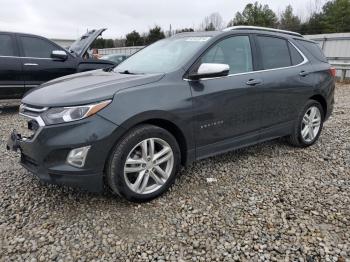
<point x="168" y="122"/>
<point x="322" y="101"/>
<point x="175" y="131"/>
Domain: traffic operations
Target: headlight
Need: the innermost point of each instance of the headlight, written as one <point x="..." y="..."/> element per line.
<point x="57" y="115"/>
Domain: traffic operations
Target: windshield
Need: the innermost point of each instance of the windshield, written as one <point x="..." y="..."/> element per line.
<point x="163" y="56"/>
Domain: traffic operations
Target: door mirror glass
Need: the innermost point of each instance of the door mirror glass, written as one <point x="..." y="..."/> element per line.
<point x="59" y="54"/>
<point x="209" y="70"/>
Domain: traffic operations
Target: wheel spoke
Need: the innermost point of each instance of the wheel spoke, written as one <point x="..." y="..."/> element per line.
<point x="157" y="179"/>
<point x="144" y="183"/>
<point x="312" y="113"/>
<point x="305" y="131"/>
<point x="161" y="153"/>
<point x="311" y="133"/>
<point x="316" y="122"/>
<point x="161" y="172"/>
<point x="151" y="148"/>
<point x="305" y="119"/>
<point x="131" y="161"/>
<point x="144" y="148"/>
<point x="133" y="169"/>
<point x="138" y="181"/>
<point x="164" y="158"/>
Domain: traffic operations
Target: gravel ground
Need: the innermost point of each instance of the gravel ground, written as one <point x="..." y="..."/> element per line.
<point x="266" y="202"/>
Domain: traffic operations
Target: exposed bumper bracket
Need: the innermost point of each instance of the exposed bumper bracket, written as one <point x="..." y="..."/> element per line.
<point x="13" y="141"/>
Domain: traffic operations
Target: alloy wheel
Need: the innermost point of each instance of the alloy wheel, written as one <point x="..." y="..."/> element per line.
<point x="311" y="124"/>
<point x="148" y="165"/>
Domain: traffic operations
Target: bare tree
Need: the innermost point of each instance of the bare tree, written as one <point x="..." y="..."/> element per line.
<point x="314" y="7"/>
<point x="212" y="22"/>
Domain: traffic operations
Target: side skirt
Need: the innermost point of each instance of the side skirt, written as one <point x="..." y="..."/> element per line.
<point x="253" y="138"/>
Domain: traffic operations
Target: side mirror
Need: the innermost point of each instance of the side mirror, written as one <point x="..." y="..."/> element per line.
<point x="59" y="55"/>
<point x="209" y="70"/>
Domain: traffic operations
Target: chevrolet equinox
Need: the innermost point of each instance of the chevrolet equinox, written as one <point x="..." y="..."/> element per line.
<point x="188" y="97"/>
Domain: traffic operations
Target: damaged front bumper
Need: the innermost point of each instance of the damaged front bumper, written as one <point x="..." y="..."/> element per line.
<point x="45" y="152"/>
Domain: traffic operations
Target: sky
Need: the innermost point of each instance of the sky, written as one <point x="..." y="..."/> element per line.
<point x="70" y="19"/>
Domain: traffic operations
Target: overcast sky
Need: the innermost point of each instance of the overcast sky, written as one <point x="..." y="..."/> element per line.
<point x="68" y="19"/>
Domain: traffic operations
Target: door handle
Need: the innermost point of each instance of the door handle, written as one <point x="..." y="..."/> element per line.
<point x="303" y="73"/>
<point x="30" y="64"/>
<point x="254" y="82"/>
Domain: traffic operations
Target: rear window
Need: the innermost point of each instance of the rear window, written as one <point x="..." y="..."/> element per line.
<point x="314" y="50"/>
<point x="6" y="46"/>
<point x="274" y="52"/>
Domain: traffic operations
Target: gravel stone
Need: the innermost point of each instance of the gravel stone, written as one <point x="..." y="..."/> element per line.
<point x="269" y="202"/>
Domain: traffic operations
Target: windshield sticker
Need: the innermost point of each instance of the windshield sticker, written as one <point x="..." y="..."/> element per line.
<point x="197" y="39"/>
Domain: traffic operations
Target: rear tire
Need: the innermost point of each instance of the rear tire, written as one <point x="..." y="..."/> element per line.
<point x="143" y="164"/>
<point x="308" y="126"/>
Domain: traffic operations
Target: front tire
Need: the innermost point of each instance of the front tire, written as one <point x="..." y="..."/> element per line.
<point x="308" y="126"/>
<point x="143" y="164"/>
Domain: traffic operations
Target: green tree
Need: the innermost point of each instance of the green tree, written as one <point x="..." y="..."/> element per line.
<point x="289" y="21"/>
<point x="314" y="25"/>
<point x="133" y="39"/>
<point x="256" y="15"/>
<point x="336" y="16"/>
<point x="184" y="30"/>
<point x="100" y="43"/>
<point x="154" y="35"/>
<point x="333" y="18"/>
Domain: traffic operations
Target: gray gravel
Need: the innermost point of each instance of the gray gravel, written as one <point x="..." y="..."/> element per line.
<point x="266" y="202"/>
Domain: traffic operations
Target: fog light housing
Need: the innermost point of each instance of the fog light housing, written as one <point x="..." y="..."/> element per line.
<point x="77" y="156"/>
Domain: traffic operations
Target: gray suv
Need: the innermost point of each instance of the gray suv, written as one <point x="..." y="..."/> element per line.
<point x="181" y="99"/>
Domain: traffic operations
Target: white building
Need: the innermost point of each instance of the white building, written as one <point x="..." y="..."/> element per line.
<point x="336" y="48"/>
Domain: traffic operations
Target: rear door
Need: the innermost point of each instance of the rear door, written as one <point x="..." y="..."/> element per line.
<point x="287" y="82"/>
<point x="38" y="66"/>
<point x="11" y="81"/>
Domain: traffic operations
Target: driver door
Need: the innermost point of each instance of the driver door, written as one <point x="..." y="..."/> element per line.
<point x="38" y="66"/>
<point x="228" y="109"/>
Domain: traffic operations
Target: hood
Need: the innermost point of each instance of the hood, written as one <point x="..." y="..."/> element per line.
<point x="81" y="45"/>
<point x="85" y="88"/>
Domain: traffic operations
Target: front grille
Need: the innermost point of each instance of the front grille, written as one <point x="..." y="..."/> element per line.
<point x="30" y="110"/>
<point x="33" y="119"/>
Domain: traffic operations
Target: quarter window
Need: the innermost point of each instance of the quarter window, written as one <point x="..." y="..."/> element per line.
<point x="295" y="55"/>
<point x="234" y="51"/>
<point x="36" y="47"/>
<point x="274" y="52"/>
<point x="6" y="46"/>
<point x="314" y="49"/>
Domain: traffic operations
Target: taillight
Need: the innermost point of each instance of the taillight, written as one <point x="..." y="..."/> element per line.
<point x="333" y="71"/>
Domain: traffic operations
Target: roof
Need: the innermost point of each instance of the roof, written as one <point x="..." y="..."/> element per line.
<point x="198" y="34"/>
<point x="258" y="28"/>
<point x="254" y="29"/>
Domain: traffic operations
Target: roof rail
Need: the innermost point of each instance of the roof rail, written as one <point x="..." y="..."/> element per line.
<point x="244" y="27"/>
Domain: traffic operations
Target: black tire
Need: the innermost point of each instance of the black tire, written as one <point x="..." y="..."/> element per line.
<point x="296" y="139"/>
<point x="115" y="166"/>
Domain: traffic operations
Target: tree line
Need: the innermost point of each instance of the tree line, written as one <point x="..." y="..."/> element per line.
<point x="332" y="17"/>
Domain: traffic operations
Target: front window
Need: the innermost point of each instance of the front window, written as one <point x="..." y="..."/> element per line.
<point x="36" y="47"/>
<point x="234" y="51"/>
<point x="163" y="56"/>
